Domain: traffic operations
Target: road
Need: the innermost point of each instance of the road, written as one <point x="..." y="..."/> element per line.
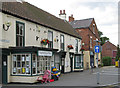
<point x="108" y="77"/>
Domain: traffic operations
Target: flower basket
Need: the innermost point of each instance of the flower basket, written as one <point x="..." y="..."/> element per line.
<point x="82" y="49"/>
<point x="70" y="47"/>
<point x="45" y="41"/>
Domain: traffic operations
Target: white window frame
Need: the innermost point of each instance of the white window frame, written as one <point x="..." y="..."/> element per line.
<point x="21" y="64"/>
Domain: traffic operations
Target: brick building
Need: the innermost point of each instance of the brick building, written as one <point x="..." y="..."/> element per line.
<point x="87" y="28"/>
<point x="109" y="49"/>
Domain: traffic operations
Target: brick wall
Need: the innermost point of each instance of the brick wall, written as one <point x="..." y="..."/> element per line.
<point x="86" y="33"/>
<point x="107" y="49"/>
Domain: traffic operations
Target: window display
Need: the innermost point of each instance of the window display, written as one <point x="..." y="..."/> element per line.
<point x="21" y="64"/>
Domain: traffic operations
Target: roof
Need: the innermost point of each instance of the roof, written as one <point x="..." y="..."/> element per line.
<point x="85" y="23"/>
<point x="31" y="13"/>
<point x="109" y="43"/>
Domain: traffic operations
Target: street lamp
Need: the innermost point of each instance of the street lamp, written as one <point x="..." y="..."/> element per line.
<point x="97" y="51"/>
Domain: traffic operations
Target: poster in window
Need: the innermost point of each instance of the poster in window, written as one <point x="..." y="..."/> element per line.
<point x="27" y="58"/>
<point x="27" y="63"/>
<point x="14" y="58"/>
<point x="27" y="70"/>
<point x="19" y="70"/>
<point x="34" y="64"/>
<point x="23" y="70"/>
<point x="23" y="58"/>
<point x="14" y="70"/>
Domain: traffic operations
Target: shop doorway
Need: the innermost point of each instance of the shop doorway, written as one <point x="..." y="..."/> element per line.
<point x="62" y="64"/>
<point x="92" y="60"/>
<point x="4" y="69"/>
<point x="71" y="63"/>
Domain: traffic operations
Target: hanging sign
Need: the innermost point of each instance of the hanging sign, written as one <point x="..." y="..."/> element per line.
<point x="44" y="53"/>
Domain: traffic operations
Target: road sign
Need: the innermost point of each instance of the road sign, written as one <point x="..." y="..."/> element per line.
<point x="97" y="49"/>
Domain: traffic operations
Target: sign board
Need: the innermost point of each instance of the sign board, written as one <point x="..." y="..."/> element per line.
<point x="97" y="49"/>
<point x="44" y="53"/>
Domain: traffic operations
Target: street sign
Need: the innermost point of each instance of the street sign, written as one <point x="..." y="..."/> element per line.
<point x="97" y="49"/>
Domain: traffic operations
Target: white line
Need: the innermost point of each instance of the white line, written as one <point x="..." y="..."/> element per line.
<point x="110" y="84"/>
<point x="106" y="74"/>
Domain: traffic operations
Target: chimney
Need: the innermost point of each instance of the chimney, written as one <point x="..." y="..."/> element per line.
<point x="71" y="18"/>
<point x="62" y="15"/>
<point x="60" y="12"/>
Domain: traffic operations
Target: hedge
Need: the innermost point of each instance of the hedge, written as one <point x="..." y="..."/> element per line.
<point x="107" y="61"/>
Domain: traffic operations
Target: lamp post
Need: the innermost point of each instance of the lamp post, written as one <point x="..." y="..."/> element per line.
<point x="97" y="51"/>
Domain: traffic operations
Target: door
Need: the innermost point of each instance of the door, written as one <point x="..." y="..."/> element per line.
<point x="62" y="63"/>
<point x="71" y="63"/>
<point x="4" y="69"/>
<point x="92" y="60"/>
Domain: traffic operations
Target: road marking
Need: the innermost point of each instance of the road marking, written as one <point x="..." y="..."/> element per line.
<point x="106" y="73"/>
<point x="111" y="84"/>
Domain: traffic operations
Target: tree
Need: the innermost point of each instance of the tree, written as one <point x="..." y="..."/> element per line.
<point x="100" y="33"/>
<point x="118" y="53"/>
<point x="102" y="39"/>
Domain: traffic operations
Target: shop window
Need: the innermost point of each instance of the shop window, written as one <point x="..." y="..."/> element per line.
<point x="78" y="62"/>
<point x="76" y="46"/>
<point x="62" y="42"/>
<point x="43" y="63"/>
<point x="50" y="38"/>
<point x="20" y="34"/>
<point x="57" y="61"/>
<point x="21" y="64"/>
<point x="34" y="66"/>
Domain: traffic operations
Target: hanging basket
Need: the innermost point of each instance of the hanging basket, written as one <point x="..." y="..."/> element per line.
<point x="70" y="47"/>
<point x="44" y="41"/>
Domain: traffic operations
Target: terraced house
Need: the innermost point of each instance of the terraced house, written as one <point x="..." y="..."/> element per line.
<point x="88" y="30"/>
<point x="33" y="41"/>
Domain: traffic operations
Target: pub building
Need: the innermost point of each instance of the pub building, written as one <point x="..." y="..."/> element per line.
<point x="33" y="41"/>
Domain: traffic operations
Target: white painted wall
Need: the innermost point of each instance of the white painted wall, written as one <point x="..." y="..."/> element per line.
<point x="31" y="33"/>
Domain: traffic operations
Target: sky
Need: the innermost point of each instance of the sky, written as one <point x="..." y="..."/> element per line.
<point x="105" y="13"/>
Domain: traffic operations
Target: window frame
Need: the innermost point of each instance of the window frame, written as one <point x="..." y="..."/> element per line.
<point x="80" y="62"/>
<point x="23" y="36"/>
<point x="50" y="42"/>
<point x="91" y="42"/>
<point x="76" y="45"/>
<point x="21" y="54"/>
<point x="62" y="44"/>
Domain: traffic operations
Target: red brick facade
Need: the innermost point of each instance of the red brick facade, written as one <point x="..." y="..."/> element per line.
<point x="109" y="49"/>
<point x="88" y="33"/>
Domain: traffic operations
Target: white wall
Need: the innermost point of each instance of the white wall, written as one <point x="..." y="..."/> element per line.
<point x="31" y="31"/>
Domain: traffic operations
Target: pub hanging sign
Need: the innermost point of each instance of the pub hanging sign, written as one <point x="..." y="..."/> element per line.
<point x="44" y="53"/>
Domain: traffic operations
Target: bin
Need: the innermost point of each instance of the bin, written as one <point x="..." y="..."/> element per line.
<point x="116" y="63"/>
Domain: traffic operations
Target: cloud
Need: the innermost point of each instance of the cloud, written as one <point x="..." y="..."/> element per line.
<point x="105" y="12"/>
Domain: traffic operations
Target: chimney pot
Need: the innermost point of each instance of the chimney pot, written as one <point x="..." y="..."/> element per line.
<point x="60" y="11"/>
<point x="63" y="11"/>
<point x="71" y="18"/>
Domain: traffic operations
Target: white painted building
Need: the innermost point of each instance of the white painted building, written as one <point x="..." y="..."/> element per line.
<point x="24" y="57"/>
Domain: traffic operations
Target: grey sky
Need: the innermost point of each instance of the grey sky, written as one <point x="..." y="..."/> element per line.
<point x="105" y="12"/>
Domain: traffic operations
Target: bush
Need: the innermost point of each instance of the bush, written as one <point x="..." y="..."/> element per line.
<point x="107" y="61"/>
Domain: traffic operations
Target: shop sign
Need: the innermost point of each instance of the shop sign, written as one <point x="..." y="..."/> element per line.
<point x="44" y="53"/>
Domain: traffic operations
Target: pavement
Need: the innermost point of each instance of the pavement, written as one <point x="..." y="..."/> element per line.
<point x="88" y="78"/>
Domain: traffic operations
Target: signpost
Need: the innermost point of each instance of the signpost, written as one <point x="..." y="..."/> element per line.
<point x="97" y="50"/>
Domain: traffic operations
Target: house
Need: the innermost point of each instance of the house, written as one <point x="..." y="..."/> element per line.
<point x="87" y="28"/>
<point x="33" y="41"/>
<point x="109" y="49"/>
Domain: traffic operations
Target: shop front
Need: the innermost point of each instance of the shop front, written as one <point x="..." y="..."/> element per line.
<point x="25" y="64"/>
<point x="91" y="59"/>
<point x="78" y="62"/>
